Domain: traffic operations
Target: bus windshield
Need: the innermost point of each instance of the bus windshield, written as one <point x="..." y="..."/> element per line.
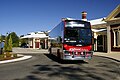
<point x="77" y="36"/>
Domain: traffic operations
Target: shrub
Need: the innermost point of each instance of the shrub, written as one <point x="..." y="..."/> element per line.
<point x="8" y="44"/>
<point x="15" y="56"/>
<point x="8" y="55"/>
<point x="2" y="57"/>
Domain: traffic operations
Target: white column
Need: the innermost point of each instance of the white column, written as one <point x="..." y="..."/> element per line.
<point x="119" y="37"/>
<point x="33" y="43"/>
<point x="39" y="44"/>
<point x="108" y="40"/>
<point x="95" y="44"/>
<point x="114" y="38"/>
<point x="45" y="43"/>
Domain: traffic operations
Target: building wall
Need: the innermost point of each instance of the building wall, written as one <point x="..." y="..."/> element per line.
<point x="113" y="42"/>
<point x="38" y="43"/>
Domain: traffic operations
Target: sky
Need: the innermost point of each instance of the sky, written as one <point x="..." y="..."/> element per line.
<point x="25" y="16"/>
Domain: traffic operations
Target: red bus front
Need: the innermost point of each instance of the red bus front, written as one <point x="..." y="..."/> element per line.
<point x="77" y="43"/>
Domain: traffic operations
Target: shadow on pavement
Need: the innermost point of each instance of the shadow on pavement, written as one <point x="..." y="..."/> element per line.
<point x="99" y="68"/>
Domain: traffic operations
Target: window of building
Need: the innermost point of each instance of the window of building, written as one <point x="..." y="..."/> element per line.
<point x="116" y="33"/>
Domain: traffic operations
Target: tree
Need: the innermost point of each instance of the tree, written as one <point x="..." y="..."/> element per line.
<point x="23" y="41"/>
<point x="8" y="44"/>
<point x="2" y="37"/>
<point x="15" y="39"/>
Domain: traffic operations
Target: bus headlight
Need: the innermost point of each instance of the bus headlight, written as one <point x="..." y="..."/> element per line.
<point x="82" y="53"/>
<point x="66" y="52"/>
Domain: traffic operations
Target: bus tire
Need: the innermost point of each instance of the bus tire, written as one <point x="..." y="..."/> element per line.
<point x="50" y="52"/>
<point x="58" y="54"/>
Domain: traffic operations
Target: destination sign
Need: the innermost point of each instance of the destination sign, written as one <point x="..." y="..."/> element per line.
<point x="74" y="24"/>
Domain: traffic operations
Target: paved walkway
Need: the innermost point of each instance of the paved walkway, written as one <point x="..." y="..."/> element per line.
<point x="29" y="50"/>
<point x="115" y="56"/>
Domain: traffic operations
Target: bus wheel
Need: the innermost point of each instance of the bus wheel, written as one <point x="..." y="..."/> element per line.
<point x="58" y="54"/>
<point x="50" y="52"/>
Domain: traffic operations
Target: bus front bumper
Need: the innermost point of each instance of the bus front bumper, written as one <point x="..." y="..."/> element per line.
<point x="84" y="56"/>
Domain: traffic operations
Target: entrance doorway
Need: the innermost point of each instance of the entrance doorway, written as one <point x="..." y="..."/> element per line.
<point x="42" y="43"/>
<point x="102" y="43"/>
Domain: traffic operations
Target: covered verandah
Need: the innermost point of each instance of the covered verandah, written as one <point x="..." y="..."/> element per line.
<point x="99" y="29"/>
